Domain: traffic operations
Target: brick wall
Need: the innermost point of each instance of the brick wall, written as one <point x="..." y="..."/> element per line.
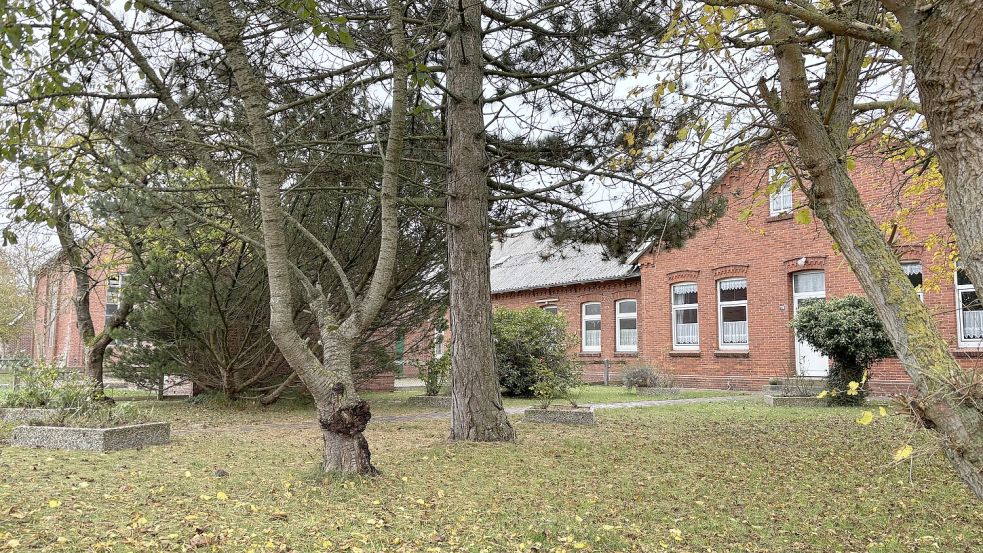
<point x="58" y="339"/>
<point x="569" y="300"/>
<point x="768" y="251"/>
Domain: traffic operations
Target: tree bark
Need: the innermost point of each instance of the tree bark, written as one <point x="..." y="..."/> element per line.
<point x="343" y="416"/>
<point x="476" y="411"/>
<point x="822" y="147"/>
<point x="948" y="67"/>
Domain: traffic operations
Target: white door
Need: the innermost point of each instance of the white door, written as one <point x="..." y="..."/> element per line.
<point x="808" y="286"/>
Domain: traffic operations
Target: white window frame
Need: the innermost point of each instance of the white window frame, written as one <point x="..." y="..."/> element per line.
<point x="113" y="298"/>
<point x="684" y="307"/>
<point x="584" y="317"/>
<point x="551" y="308"/>
<point x="921" y="271"/>
<point x="720" y="315"/>
<point x="960" y="288"/>
<point x="439" y="348"/>
<point x="622" y="317"/>
<point x="779" y="201"/>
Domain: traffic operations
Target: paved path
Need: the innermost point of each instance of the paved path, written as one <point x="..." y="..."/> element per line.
<point x="440" y="415"/>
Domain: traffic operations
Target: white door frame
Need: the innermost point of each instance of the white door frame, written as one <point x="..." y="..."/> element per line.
<point x="802" y="349"/>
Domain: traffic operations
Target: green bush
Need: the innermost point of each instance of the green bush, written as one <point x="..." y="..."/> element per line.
<point x="531" y="345"/>
<point x="434" y="374"/>
<point x="848" y="331"/>
<point x="35" y="387"/>
<point x="551" y="384"/>
<point x="644" y="376"/>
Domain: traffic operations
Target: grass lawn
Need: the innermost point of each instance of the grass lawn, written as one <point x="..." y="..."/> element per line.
<point x="583" y="395"/>
<point x="711" y="477"/>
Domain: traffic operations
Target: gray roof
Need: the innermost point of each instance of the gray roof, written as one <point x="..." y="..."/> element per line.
<point x="523" y="262"/>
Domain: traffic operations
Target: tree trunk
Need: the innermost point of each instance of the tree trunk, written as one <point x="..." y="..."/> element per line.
<point x="948" y="67"/>
<point x="343" y="416"/>
<point x="942" y="383"/>
<point x="476" y="412"/>
<point x="95" y="360"/>
<point x="229" y="386"/>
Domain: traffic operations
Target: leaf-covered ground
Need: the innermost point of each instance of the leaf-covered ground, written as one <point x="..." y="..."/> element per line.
<point x="714" y="477"/>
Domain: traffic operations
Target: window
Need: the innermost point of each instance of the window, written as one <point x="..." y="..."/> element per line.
<point x="685" y="318"/>
<point x="914" y="271"/>
<point x="113" y="288"/>
<point x="627" y="311"/>
<point x="732" y="313"/>
<point x="779" y="201"/>
<point x="54" y="290"/>
<point x="591" y="325"/>
<point x="970" y="320"/>
<point x="438" y="344"/>
<point x="551" y="309"/>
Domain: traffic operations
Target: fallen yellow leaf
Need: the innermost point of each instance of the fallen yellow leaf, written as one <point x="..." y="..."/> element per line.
<point x="903" y="453"/>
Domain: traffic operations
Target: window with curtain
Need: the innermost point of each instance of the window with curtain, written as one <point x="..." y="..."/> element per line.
<point x="732" y="313"/>
<point x="914" y="271"/>
<point x="627" y="311"/>
<point x="970" y="320"/>
<point x="590" y="317"/>
<point x="685" y="316"/>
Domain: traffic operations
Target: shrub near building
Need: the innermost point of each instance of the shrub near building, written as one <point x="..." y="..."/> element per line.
<point x="529" y="343"/>
<point x="847" y="331"/>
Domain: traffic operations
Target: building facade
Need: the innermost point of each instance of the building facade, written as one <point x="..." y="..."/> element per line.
<point x="58" y="341"/>
<point x="715" y="313"/>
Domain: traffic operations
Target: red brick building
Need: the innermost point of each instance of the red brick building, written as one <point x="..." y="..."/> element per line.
<point x="599" y="297"/>
<point x="715" y="312"/>
<point x="56" y="329"/>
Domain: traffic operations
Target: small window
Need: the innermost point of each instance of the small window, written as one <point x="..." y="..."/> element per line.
<point x="779" y="201"/>
<point x="970" y="319"/>
<point x="551" y="309"/>
<point x="591" y="327"/>
<point x="114" y="286"/>
<point x="809" y="282"/>
<point x="732" y="313"/>
<point x="914" y="271"/>
<point x="627" y="311"/>
<point x="54" y="289"/>
<point x="685" y="316"/>
<point x="438" y="344"/>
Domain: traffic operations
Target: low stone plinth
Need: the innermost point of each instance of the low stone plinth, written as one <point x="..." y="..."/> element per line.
<point x="439" y="402"/>
<point x="801" y="387"/>
<point x="92" y="439"/>
<point x="24" y="414"/>
<point x="583" y="416"/>
<point x="795" y="401"/>
<point x="656" y="391"/>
